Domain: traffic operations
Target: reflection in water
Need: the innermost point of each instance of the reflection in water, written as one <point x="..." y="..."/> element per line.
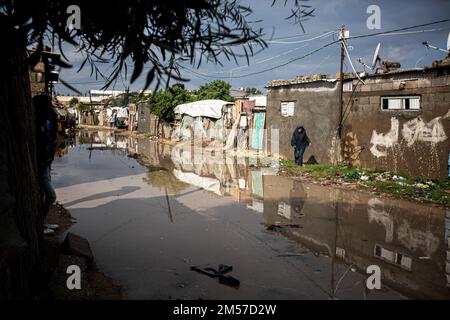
<point x="410" y="242"/>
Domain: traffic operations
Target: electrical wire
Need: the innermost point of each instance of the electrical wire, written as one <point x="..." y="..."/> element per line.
<point x="321" y="48"/>
<point x="399" y="30"/>
<point x="300" y="35"/>
<point x="266" y="70"/>
<point x="390" y="32"/>
<point x="302" y="41"/>
<point x="350" y="60"/>
<point x="263" y="60"/>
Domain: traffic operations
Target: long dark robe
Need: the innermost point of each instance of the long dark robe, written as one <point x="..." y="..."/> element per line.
<point x="300" y="141"/>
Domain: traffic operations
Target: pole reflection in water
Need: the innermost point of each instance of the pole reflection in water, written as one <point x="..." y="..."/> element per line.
<point x="346" y="230"/>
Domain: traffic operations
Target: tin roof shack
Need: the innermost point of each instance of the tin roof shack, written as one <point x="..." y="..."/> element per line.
<point x="399" y="121"/>
<point x="311" y="101"/>
<point x="206" y="120"/>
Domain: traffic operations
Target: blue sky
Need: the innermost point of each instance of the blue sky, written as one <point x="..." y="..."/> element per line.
<point x="405" y="48"/>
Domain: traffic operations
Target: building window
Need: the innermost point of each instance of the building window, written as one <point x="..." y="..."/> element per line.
<point x="348" y="86"/>
<point x="392" y="257"/>
<point x="287" y="108"/>
<point x="400" y="103"/>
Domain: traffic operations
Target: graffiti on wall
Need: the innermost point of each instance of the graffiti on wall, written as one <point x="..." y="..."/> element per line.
<point x="382" y="141"/>
<point x="423" y="241"/>
<point x="378" y="214"/>
<point x="416" y="130"/>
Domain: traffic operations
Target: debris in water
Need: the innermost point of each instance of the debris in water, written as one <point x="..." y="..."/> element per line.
<point x="219" y="273"/>
<point x="281" y="228"/>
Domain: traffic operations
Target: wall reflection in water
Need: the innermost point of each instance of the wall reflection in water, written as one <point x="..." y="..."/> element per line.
<point x="410" y="242"/>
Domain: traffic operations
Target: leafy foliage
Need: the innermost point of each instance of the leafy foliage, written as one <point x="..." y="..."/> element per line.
<point x="83" y="107"/>
<point x="163" y="102"/>
<point x="217" y="89"/>
<point x="73" y="103"/>
<point x="161" y="34"/>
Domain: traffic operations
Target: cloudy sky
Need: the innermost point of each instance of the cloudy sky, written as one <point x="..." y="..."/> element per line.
<point x="291" y="43"/>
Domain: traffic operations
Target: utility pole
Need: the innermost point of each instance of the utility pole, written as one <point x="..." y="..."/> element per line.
<point x="342" y="38"/>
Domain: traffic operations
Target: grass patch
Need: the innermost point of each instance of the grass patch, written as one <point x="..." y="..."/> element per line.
<point x="409" y="188"/>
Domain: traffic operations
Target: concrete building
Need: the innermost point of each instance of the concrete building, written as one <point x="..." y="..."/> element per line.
<point x="397" y="120"/>
<point x="312" y="102"/>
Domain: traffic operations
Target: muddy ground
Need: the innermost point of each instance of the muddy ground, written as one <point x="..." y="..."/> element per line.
<point x="55" y="260"/>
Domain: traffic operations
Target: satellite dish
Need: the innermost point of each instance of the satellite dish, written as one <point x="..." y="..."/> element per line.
<point x="376" y="59"/>
<point x="426" y="44"/>
<point x="448" y="42"/>
<point x="376" y="56"/>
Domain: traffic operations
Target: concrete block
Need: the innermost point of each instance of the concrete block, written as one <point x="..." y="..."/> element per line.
<point x="363" y="100"/>
<point x="387" y="86"/>
<point x="375" y="100"/>
<point x="376" y="87"/>
<point x="439" y="81"/>
<point x="365" y="88"/>
<point x="424" y="83"/>
<point x="413" y="84"/>
<point x="396" y="85"/>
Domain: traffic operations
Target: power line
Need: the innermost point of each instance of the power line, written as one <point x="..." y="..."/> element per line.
<point x="302" y="41"/>
<point x="263" y="60"/>
<point x="390" y="32"/>
<point x="319" y="49"/>
<point x="399" y="30"/>
<point x="266" y="70"/>
<point x="300" y="35"/>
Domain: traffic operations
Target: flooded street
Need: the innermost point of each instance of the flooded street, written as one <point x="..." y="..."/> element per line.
<point x="285" y="239"/>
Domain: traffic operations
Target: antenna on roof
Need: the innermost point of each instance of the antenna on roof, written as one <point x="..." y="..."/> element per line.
<point x="426" y="44"/>
<point x="375" y="60"/>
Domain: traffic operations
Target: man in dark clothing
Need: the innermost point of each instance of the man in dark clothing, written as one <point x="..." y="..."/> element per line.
<point x="46" y="132"/>
<point x="300" y="142"/>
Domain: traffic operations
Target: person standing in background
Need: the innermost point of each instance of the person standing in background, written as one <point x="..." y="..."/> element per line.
<point x="300" y="142"/>
<point x="46" y="132"/>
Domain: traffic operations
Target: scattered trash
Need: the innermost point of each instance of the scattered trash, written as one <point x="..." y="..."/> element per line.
<point x="422" y="186"/>
<point x="364" y="178"/>
<point x="218" y="273"/>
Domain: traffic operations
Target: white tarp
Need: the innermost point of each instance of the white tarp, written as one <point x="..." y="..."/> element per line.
<point x="123" y="113"/>
<point x="110" y="111"/>
<point x="205" y="183"/>
<point x="204" y="108"/>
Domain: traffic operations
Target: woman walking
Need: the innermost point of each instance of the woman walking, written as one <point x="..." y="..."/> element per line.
<point x="300" y="142"/>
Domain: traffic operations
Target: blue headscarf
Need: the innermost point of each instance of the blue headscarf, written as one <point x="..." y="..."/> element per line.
<point x="300" y="139"/>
